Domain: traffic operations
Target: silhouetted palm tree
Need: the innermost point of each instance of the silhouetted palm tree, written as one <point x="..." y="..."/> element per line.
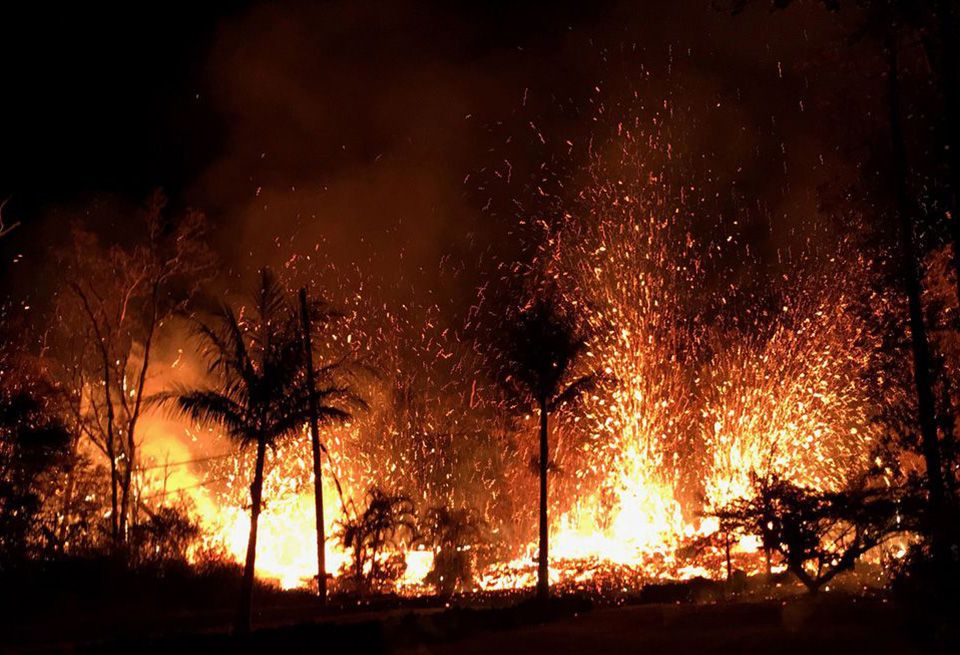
<point x="387" y="522"/>
<point x="540" y="355"/>
<point x="261" y="395"/>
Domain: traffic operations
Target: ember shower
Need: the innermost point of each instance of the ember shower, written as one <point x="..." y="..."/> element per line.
<point x="718" y="373"/>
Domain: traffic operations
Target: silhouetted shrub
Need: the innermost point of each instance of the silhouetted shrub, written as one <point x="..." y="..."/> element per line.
<point x="452" y="534"/>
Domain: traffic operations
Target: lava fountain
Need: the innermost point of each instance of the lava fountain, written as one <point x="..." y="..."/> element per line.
<point x="713" y="379"/>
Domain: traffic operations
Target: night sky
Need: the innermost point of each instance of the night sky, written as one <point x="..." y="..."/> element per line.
<point x="373" y="128"/>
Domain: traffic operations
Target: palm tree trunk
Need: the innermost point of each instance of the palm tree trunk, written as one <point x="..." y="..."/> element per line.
<point x="926" y="408"/>
<point x="315" y="447"/>
<point x="543" y="570"/>
<point x="256" y="494"/>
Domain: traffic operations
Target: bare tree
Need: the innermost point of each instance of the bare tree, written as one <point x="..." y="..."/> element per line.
<point x="114" y="303"/>
<point x="905" y="209"/>
<point x="887" y="21"/>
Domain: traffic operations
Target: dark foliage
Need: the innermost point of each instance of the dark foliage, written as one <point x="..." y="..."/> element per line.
<point x="89" y="597"/>
<point x="540" y="352"/>
<point x="384" y="635"/>
<point x="164" y="537"/>
<point x="930" y="593"/>
<point x="453" y="535"/>
<point x="818" y="535"/>
<point x="33" y="441"/>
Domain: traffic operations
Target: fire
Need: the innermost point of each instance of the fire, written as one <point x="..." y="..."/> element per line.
<point x="713" y="380"/>
<point x="672" y="440"/>
<point x="793" y="405"/>
<point x="647" y="518"/>
<point x="286" y="542"/>
<point x="286" y="545"/>
<point x="705" y="393"/>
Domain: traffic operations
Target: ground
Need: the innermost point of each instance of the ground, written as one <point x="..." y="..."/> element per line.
<point x="814" y="628"/>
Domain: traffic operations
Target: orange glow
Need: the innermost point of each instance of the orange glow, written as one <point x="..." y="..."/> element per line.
<point x="711" y="384"/>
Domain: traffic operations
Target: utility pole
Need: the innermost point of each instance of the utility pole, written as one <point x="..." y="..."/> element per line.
<point x="315" y="447"/>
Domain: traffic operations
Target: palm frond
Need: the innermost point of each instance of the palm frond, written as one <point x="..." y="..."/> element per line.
<point x="542" y="346"/>
<point x="259" y="362"/>
<point x="212" y="407"/>
<point x="579" y="388"/>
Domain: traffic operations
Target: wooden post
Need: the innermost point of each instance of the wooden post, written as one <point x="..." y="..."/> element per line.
<point x="726" y="549"/>
<point x="543" y="563"/>
<point x="315" y="447"/>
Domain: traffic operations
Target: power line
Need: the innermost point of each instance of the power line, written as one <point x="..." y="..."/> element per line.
<point x="184" y="462"/>
<point x="189" y="486"/>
